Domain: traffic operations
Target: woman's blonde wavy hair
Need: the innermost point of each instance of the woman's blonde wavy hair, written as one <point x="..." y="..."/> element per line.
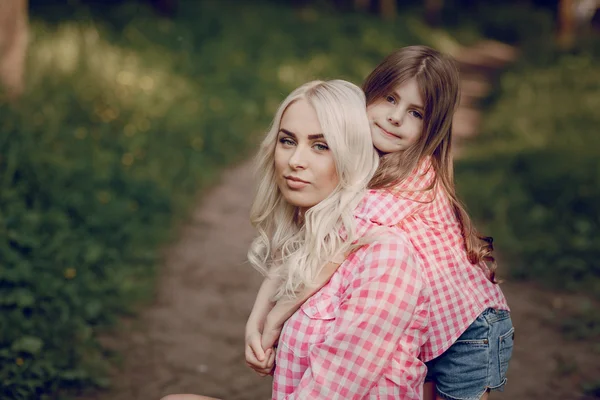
<point x="438" y="79"/>
<point x="295" y="249"/>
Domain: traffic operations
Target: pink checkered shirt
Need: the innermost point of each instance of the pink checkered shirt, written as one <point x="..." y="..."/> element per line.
<point x="360" y="335"/>
<point x="460" y="291"/>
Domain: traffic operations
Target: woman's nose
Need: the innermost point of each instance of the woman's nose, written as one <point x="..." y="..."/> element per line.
<point x="297" y="159"/>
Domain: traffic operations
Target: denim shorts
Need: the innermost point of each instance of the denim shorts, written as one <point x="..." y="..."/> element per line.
<point x="477" y="361"/>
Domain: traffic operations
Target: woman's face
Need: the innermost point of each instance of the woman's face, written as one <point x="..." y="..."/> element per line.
<point x="397" y="118"/>
<point x="304" y="166"/>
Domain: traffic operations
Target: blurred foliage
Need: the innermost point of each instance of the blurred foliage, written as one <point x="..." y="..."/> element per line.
<point x="126" y="117"/>
<point x="533" y="174"/>
<point x="582" y="324"/>
<point x="510" y="21"/>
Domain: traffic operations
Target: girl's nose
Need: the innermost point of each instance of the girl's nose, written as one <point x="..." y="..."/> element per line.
<point x="395" y="117"/>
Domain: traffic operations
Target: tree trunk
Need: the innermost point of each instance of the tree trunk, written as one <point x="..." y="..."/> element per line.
<point x="388" y="8"/>
<point x="433" y="9"/>
<point x="362" y="5"/>
<point x="13" y="45"/>
<point x="566" y="23"/>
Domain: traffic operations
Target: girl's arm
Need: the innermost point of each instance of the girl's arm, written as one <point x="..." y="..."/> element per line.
<point x="256" y="357"/>
<point x="286" y="308"/>
<point x="262" y="305"/>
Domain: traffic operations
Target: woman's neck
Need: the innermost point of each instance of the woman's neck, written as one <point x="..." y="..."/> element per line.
<point x="299" y="215"/>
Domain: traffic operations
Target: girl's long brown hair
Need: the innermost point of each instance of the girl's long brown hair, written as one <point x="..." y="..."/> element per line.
<point x="438" y="80"/>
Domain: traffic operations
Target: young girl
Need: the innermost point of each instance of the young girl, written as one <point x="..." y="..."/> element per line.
<point x="411" y="98"/>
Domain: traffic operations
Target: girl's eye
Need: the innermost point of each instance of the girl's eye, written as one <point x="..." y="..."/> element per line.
<point x="286" y="141"/>
<point x="390" y="99"/>
<point x="321" y="147"/>
<point x="416" y="114"/>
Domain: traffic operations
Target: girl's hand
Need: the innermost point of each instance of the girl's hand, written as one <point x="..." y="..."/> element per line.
<point x="270" y="334"/>
<point x="257" y="359"/>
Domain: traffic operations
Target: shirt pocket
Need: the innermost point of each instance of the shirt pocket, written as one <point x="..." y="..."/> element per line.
<point x="315" y="318"/>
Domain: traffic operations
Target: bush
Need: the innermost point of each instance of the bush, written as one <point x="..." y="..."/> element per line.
<point x="533" y="175"/>
<point x="125" y="119"/>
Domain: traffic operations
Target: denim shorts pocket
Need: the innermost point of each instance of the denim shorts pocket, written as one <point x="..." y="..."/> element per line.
<point x="462" y="372"/>
<point x="505" y="349"/>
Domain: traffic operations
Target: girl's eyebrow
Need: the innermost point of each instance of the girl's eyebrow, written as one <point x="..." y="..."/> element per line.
<point x="417" y="106"/>
<point x="310" y="137"/>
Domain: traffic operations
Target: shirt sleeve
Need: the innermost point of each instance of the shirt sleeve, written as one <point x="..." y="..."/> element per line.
<point x="374" y="313"/>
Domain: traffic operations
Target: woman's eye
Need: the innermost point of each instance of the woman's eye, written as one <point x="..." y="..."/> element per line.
<point x="286" y="141"/>
<point x="321" y="147"/>
<point x="390" y="99"/>
<point x="416" y="114"/>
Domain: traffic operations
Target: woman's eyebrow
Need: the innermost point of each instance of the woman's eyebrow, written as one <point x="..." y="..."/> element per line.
<point x="292" y="134"/>
<point x="310" y="137"/>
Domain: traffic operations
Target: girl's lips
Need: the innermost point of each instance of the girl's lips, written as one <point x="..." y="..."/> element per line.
<point x="386" y="132"/>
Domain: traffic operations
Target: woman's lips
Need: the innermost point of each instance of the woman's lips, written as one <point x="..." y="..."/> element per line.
<point x="295" y="183"/>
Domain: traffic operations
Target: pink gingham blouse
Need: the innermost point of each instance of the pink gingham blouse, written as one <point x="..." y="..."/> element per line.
<point x="460" y="291"/>
<point x="360" y="336"/>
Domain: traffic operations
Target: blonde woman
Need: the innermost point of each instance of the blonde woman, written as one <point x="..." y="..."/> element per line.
<point x="359" y="335"/>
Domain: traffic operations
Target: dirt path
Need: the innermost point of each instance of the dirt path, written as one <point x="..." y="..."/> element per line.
<point x="192" y="338"/>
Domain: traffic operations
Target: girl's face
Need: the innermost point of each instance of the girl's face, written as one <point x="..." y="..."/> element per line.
<point x="304" y="166"/>
<point x="397" y="118"/>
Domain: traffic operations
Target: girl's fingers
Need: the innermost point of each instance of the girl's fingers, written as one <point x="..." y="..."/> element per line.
<point x="268" y="364"/>
<point x="259" y="371"/>
<point x="260" y="366"/>
<point x="271" y="361"/>
<point x="251" y="359"/>
<point x="257" y="349"/>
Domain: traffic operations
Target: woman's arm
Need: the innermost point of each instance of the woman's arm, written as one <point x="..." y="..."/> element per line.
<point x="385" y="295"/>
